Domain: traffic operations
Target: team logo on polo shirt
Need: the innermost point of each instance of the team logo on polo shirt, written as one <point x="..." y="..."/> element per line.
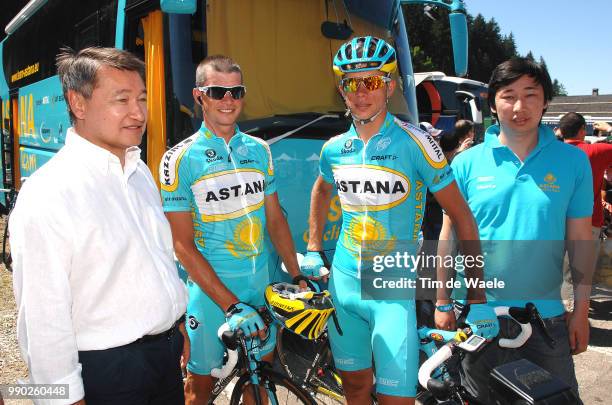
<point x="370" y="187"/>
<point x="549" y="184"/>
<point x="210" y="153"/>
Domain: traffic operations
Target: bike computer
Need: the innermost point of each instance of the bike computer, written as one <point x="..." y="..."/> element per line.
<point x="473" y="343"/>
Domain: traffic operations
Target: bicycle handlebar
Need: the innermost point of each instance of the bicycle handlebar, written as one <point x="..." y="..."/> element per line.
<point x="521" y="338"/>
<point x="446" y="351"/>
<point x="232" y="355"/>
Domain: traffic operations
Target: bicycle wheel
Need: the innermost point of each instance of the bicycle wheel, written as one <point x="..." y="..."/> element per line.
<point x="280" y="390"/>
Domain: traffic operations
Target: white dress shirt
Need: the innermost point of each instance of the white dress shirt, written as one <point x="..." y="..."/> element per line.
<point x="93" y="260"/>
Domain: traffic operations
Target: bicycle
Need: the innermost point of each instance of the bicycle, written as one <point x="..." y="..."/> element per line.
<point x="310" y="363"/>
<point x="243" y="360"/>
<point x="441" y="385"/>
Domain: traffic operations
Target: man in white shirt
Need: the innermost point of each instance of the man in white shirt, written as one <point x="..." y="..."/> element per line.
<point x="95" y="281"/>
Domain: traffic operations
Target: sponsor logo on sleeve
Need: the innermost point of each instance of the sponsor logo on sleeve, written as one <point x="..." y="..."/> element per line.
<point x="168" y="168"/>
<point x="430" y="148"/>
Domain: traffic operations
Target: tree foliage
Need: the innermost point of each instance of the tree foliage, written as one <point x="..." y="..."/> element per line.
<point x="430" y="41"/>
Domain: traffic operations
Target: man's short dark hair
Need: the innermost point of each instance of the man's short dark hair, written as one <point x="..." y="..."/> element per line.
<point x="78" y="70"/>
<point x="463" y="128"/>
<point x="513" y="69"/>
<point x="570" y="124"/>
<point x="218" y="63"/>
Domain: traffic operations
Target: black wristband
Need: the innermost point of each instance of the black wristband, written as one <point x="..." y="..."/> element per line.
<point x="232" y="309"/>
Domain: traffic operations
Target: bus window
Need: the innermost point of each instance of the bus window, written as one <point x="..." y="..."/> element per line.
<point x="58" y="23"/>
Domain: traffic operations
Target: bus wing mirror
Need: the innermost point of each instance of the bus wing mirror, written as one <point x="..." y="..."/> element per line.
<point x="336" y="30"/>
<point x="459" y="37"/>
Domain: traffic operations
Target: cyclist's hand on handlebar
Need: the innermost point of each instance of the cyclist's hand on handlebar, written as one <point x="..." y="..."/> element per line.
<point x="578" y="329"/>
<point x="445" y="320"/>
<point x="483" y="321"/>
<point x="244" y="317"/>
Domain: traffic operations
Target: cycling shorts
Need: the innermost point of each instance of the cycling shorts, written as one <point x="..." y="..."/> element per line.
<point x="204" y="318"/>
<point x="381" y="330"/>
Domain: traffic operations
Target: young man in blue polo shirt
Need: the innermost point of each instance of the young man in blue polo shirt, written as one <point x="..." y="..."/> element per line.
<point x="531" y="192"/>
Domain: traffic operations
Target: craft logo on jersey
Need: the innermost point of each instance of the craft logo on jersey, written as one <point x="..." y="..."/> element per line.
<point x="370" y="187"/>
<point x="348" y="147"/>
<point x="229" y="194"/>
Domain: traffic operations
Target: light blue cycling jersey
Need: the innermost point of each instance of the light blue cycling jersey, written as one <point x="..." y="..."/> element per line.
<point x="223" y="186"/>
<point x="382" y="187"/>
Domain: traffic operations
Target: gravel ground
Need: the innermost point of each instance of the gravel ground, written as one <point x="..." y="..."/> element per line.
<point x="12" y="367"/>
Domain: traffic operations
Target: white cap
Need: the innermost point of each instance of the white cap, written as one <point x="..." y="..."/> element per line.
<point x="430" y="128"/>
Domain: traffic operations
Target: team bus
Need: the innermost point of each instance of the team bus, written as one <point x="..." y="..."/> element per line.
<point x="442" y="100"/>
<point x="285" y="48"/>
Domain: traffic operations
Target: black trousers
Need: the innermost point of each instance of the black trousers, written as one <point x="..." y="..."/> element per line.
<point x="140" y="373"/>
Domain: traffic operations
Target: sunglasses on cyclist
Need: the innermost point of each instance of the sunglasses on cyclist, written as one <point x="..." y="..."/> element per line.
<point x="351" y="84"/>
<point x="218" y="92"/>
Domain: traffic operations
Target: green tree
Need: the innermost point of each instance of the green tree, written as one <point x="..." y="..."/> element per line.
<point x="558" y="89"/>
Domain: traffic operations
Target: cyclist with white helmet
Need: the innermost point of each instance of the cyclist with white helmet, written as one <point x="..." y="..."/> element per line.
<point x="381" y="168"/>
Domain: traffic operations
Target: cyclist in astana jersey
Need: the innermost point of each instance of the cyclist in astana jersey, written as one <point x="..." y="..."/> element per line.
<point x="381" y="169"/>
<point x="219" y="196"/>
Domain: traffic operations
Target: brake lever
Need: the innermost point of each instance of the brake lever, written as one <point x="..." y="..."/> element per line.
<point x="537" y="319"/>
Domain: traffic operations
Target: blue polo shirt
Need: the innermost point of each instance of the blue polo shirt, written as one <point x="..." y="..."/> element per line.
<point x="521" y="209"/>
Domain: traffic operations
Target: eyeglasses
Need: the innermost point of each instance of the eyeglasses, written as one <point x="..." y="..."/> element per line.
<point x="218" y="92"/>
<point x="351" y="84"/>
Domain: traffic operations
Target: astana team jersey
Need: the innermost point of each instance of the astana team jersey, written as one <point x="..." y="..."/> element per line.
<point x="382" y="187"/>
<point x="223" y="186"/>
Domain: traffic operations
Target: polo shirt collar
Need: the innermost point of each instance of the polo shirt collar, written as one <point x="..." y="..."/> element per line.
<point x="99" y="157"/>
<point x="387" y="124"/>
<point x="545" y="137"/>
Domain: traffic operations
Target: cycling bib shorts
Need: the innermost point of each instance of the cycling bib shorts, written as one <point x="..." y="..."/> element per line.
<point x="204" y="318"/>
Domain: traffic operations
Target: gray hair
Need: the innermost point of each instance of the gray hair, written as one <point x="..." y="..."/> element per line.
<point x="218" y="63"/>
<point x="78" y="70"/>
